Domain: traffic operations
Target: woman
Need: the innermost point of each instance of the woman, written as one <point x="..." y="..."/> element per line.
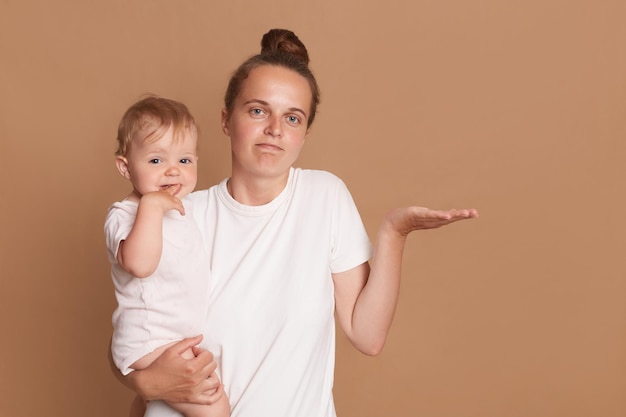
<point x="288" y="253"/>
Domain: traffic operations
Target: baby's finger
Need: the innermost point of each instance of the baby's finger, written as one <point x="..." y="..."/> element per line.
<point x="180" y="207"/>
<point x="172" y="189"/>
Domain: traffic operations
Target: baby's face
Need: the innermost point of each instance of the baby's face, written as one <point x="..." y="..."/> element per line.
<point x="164" y="163"/>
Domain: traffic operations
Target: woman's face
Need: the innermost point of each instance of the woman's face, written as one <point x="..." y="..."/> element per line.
<point x="268" y="123"/>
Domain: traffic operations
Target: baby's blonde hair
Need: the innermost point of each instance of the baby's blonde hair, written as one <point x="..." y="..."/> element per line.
<point x="151" y="117"/>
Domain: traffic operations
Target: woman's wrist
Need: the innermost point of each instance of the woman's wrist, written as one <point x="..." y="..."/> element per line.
<point x="137" y="382"/>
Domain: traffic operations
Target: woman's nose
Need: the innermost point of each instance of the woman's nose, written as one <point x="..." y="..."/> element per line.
<point x="274" y="127"/>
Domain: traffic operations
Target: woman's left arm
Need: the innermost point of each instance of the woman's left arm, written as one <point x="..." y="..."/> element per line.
<point x="366" y="298"/>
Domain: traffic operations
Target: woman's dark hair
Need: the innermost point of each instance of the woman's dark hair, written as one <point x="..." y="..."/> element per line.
<point x="279" y="47"/>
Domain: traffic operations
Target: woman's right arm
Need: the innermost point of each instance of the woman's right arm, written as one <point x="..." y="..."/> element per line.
<point x="175" y="379"/>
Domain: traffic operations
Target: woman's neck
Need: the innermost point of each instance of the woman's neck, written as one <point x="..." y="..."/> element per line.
<point x="256" y="191"/>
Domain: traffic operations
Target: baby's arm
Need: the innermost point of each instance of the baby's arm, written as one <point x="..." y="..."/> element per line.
<point x="139" y="254"/>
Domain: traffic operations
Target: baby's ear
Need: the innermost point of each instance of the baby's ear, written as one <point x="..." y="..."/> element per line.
<point x="225" y="117"/>
<point x="122" y="166"/>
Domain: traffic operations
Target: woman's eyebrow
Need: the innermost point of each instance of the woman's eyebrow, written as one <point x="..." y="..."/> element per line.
<point x="257" y="101"/>
<point x="298" y="110"/>
<point x="265" y="103"/>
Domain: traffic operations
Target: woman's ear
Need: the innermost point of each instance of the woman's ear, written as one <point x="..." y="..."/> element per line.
<point x="122" y="166"/>
<point x="225" y="122"/>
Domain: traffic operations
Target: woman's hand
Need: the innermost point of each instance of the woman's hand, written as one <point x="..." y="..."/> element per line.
<point x="407" y="219"/>
<point x="175" y="379"/>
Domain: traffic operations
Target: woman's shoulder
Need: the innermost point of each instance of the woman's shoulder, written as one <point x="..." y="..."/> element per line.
<point x="197" y="195"/>
<point x="318" y="182"/>
<point x="202" y="201"/>
<point x="204" y="194"/>
<point x="317" y="176"/>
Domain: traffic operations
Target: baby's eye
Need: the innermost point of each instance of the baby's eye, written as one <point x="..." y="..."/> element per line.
<point x="154" y="161"/>
<point x="185" y="161"/>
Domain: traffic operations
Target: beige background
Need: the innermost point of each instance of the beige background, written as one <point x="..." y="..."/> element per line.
<point x="517" y="108"/>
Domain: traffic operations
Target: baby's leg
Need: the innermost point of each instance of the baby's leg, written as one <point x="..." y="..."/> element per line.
<point x="159" y="408"/>
<point x="145" y="361"/>
<point x="219" y="409"/>
<point x="137" y="407"/>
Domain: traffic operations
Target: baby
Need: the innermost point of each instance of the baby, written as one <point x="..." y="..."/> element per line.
<point x="159" y="264"/>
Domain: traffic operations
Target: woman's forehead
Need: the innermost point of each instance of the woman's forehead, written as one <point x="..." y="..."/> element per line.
<point x="276" y="85"/>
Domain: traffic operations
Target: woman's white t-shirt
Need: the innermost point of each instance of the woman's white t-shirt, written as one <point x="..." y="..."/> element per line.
<point x="271" y="310"/>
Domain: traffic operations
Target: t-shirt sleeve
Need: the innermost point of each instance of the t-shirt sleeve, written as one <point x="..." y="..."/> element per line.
<point x="117" y="226"/>
<point x="350" y="246"/>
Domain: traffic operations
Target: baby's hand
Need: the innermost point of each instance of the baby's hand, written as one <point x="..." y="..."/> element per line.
<point x="164" y="200"/>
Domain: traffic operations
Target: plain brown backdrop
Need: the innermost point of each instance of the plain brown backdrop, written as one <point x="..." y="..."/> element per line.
<point x="516" y="108"/>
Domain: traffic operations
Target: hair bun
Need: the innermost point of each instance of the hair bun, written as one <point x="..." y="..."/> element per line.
<point x="283" y="40"/>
